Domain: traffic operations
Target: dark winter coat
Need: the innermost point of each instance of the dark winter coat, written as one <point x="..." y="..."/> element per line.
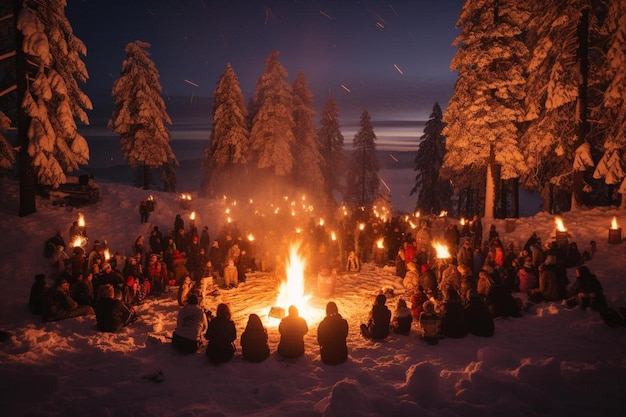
<point x="37" y="292"/>
<point x="479" y="320"/>
<point x="59" y="305"/>
<point x="112" y="314"/>
<point x="331" y="336"/>
<point x="292" y="330"/>
<point x="380" y="318"/>
<point x="453" y="319"/>
<point x="221" y="335"/>
<point x="402" y="321"/>
<point x="254" y="346"/>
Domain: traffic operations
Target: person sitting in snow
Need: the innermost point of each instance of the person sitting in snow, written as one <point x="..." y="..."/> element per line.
<point x="586" y="291"/>
<point x="37" y="293"/>
<point x="59" y="305"/>
<point x="377" y="326"/>
<point x="331" y="336"/>
<point x="221" y="334"/>
<point x="191" y="324"/>
<point x="452" y="312"/>
<point x="418" y="298"/>
<point x="292" y="329"/>
<point x="185" y="290"/>
<point x="402" y="319"/>
<point x="231" y="274"/>
<point x="479" y="319"/>
<point x="430" y="323"/>
<point x="254" y="346"/>
<point x="112" y="314"/>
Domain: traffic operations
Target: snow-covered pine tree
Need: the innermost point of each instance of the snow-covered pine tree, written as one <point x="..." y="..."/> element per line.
<point x="51" y="101"/>
<point x="225" y="157"/>
<point x="611" y="114"/>
<point x="483" y="113"/>
<point x="7" y="153"/>
<point x="307" y="173"/>
<point x="433" y="193"/>
<point x="271" y="134"/>
<point x="331" y="144"/>
<point x="362" y="182"/>
<point x="556" y="109"/>
<point x="140" y="116"/>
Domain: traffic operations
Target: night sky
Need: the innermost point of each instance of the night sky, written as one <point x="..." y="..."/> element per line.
<point x="391" y="58"/>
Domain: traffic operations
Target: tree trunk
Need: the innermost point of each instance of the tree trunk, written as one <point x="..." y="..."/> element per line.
<point x="146" y="177"/>
<point x="515" y="198"/>
<point x="28" y="179"/>
<point x="583" y="59"/>
<point x="490" y="189"/>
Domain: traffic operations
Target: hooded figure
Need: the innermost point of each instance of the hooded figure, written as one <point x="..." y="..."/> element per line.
<point x="292" y="330"/>
<point x="378" y="323"/>
<point x="331" y="336"/>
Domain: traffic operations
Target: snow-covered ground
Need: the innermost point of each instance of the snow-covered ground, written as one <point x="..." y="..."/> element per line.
<point x="550" y="362"/>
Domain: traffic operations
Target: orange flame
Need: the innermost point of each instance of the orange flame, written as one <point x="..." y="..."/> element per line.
<point x="380" y="243"/>
<point x="442" y="250"/>
<point x="614" y="223"/>
<point x="81" y="220"/>
<point x="559" y="224"/>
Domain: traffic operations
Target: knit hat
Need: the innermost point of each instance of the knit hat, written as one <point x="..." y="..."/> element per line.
<point x="528" y="263"/>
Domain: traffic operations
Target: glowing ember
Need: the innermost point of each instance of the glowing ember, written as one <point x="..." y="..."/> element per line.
<point x="250" y="237"/>
<point x="462" y="221"/>
<point x="413" y="225"/>
<point x="81" y="220"/>
<point x="107" y="254"/>
<point x="380" y="243"/>
<point x="442" y="250"/>
<point x="559" y="224"/>
<point x="362" y="226"/>
<point x="291" y="292"/>
<point x="417" y="214"/>
<point x="321" y="222"/>
<point x="614" y="223"/>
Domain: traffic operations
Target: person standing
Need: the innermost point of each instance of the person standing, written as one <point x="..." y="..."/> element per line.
<point x="331" y="336"/>
<point x="292" y="330"/>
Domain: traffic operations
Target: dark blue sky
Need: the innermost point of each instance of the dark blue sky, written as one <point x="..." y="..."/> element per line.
<point x="392" y="57"/>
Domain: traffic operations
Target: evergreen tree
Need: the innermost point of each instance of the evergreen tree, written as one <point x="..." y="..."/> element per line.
<point x="556" y="97"/>
<point x="271" y="135"/>
<point x="168" y="176"/>
<point x="140" y="116"/>
<point x="333" y="165"/>
<point x="612" y="112"/>
<point x="483" y="113"/>
<point x="433" y="193"/>
<point x="362" y="181"/>
<point x="48" y="56"/>
<point x="307" y="173"/>
<point x="7" y="154"/>
<point x="225" y="157"/>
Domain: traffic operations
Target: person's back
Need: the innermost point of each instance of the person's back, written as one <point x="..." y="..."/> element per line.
<point x="402" y="319"/>
<point x="379" y="320"/>
<point x="479" y="320"/>
<point x="190" y="326"/>
<point x="292" y="330"/>
<point x="221" y="334"/>
<point x="453" y="319"/>
<point x="37" y="293"/>
<point x="331" y="336"/>
<point x="430" y="323"/>
<point x="254" y="346"/>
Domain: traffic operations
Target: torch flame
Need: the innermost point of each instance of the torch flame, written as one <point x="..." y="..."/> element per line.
<point x="614" y="223"/>
<point x="559" y="225"/>
<point x="107" y="254"/>
<point x="380" y="243"/>
<point x="192" y="216"/>
<point x="250" y="237"/>
<point x="462" y="221"/>
<point x="361" y="226"/>
<point x="333" y="236"/>
<point x="77" y="241"/>
<point x="442" y="250"/>
<point x="81" y="220"/>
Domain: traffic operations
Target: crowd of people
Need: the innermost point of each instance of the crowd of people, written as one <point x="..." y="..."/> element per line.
<point x="449" y="297"/>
